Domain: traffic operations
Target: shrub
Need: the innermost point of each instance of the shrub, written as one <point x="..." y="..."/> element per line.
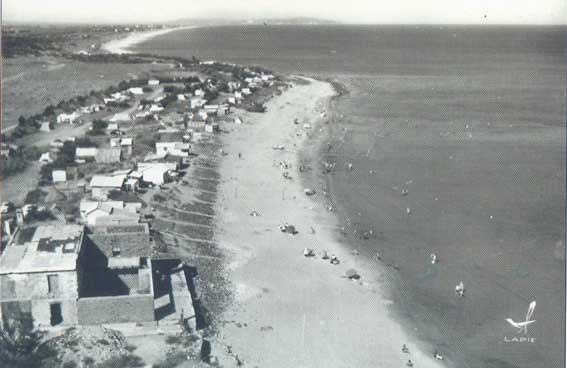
<point x="159" y="198"/>
<point x="21" y="345"/>
<point x="172" y="360"/>
<point x="123" y="361"/>
<point x="88" y="361"/>
<point x="35" y="196"/>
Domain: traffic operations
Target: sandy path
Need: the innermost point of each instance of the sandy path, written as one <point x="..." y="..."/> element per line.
<point x="291" y="311"/>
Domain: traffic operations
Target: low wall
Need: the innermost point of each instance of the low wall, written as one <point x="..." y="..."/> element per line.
<point x="116" y="309"/>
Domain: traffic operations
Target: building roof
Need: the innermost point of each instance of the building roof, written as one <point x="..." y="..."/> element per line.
<point x="126" y="141"/>
<point x="45" y="157"/>
<point x="132" y="240"/>
<point x="155" y="156"/>
<point x="142" y="166"/>
<point x="103" y="181"/>
<point x="108" y="155"/>
<point x="45" y="248"/>
<point x="86" y="151"/>
<point x="121" y="172"/>
<point x="86" y="207"/>
<point x="121" y="116"/>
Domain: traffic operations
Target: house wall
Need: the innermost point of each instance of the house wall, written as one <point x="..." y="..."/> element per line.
<point x="116" y="309"/>
<point x="32" y="289"/>
<point x="42" y="316"/>
<point x="34" y="286"/>
<point x="100" y="193"/>
<point x="156" y="177"/>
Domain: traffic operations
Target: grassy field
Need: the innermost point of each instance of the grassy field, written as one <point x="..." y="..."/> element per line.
<point x="30" y="84"/>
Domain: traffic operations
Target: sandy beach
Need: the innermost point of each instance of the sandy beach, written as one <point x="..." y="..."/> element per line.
<point x="290" y="310"/>
<point x="121" y="45"/>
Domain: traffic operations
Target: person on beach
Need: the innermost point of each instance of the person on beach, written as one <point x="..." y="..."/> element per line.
<point x="377" y="256"/>
<point x="409" y="363"/>
<point x="334" y="260"/>
<point x="307" y="252"/>
<point x="437" y="356"/>
<point x="433" y="257"/>
<point x="460" y="289"/>
<point x="325" y="255"/>
<point x="405" y="349"/>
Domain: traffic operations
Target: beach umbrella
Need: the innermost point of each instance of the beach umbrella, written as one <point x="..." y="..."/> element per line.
<point x="352" y="274"/>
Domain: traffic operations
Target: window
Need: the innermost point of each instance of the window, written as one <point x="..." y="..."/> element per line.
<point x="115" y="252"/>
<point x="53" y="283"/>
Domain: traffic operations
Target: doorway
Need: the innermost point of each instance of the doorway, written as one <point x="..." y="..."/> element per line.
<point x="55" y="313"/>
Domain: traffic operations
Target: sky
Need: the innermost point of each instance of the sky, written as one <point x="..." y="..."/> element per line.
<point x="351" y="11"/>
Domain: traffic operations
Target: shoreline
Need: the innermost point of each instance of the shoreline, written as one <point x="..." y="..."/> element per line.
<point x="122" y="45"/>
<point x="289" y="309"/>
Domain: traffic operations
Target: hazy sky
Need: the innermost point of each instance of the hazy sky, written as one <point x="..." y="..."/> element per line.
<point x="351" y="11"/>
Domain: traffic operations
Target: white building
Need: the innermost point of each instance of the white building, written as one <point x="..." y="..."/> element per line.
<point x="156" y="173"/>
<point x="197" y="102"/>
<point x="124" y="143"/>
<point x="102" y="185"/>
<point x="155" y="108"/>
<point x="44" y="126"/>
<point x="45" y="158"/>
<point x="109" y="212"/>
<point x="179" y="149"/>
<point x="86" y="152"/>
<point x="59" y="176"/>
<point x="136" y="90"/>
<point x="68" y="118"/>
<point x="153" y="82"/>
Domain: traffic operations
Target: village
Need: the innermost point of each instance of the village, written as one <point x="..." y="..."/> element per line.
<point x="122" y="178"/>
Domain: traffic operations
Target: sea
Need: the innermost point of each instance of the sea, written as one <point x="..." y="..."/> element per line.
<point x="456" y="136"/>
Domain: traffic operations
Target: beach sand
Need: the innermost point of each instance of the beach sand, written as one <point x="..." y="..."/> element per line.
<point x="289" y="310"/>
<point x="121" y="45"/>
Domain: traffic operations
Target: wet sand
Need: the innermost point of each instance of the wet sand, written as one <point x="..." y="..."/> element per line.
<point x="290" y="310"/>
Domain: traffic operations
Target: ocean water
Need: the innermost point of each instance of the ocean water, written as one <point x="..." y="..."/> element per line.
<point x="465" y="126"/>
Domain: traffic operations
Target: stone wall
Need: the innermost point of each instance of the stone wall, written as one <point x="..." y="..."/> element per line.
<point x="116" y="309"/>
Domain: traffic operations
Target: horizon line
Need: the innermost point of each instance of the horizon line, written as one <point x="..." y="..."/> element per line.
<point x="170" y="23"/>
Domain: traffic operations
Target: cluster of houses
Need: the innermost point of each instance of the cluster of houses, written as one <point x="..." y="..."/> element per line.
<point x="99" y="267"/>
<point x="146" y="174"/>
